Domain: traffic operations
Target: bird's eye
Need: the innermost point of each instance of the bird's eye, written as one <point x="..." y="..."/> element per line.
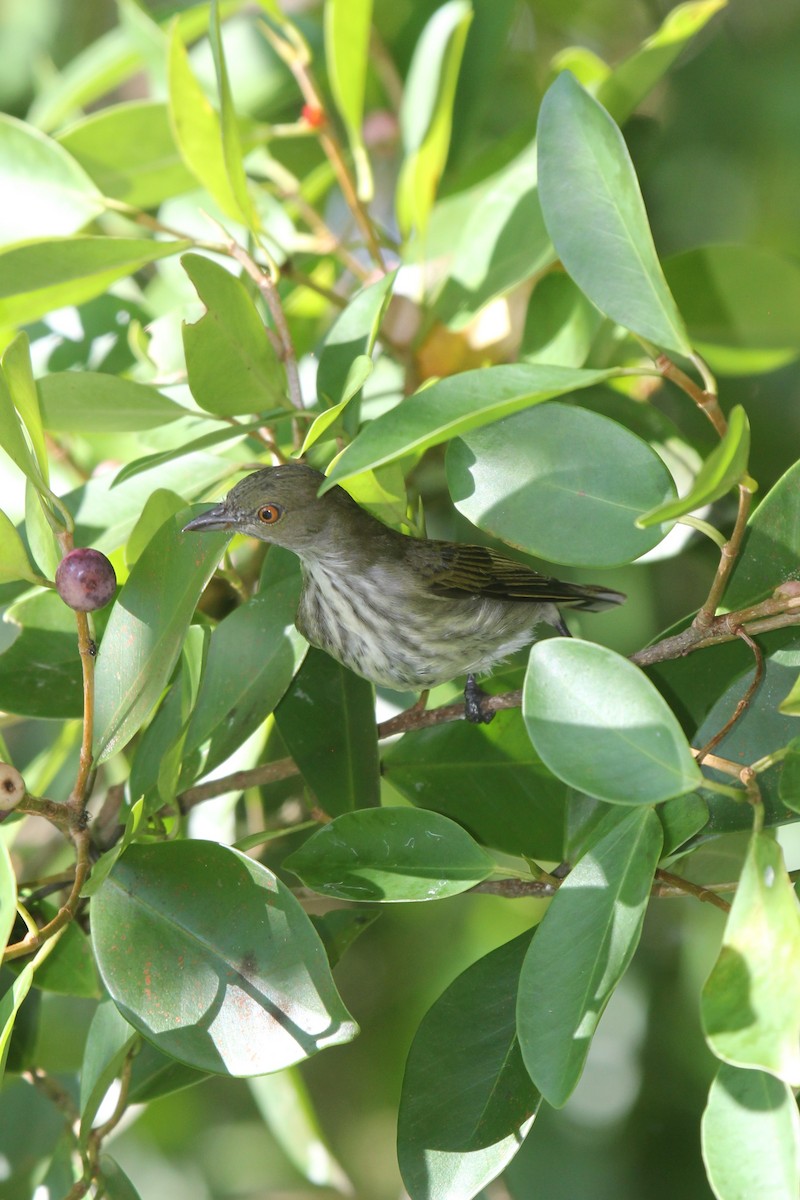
<point x="268" y="514"/>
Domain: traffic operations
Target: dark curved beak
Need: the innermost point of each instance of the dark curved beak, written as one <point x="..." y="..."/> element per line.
<point x="208" y="522"/>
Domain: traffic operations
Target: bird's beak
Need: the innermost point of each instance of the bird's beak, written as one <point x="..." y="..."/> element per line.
<point x="215" y="519"/>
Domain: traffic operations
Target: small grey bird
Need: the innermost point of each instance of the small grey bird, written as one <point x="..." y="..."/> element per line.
<point x="408" y="613"/>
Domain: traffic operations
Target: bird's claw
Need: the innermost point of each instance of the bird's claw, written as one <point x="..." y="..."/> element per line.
<point x="474" y="710"/>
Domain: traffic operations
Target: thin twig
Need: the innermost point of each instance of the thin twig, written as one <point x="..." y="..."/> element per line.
<point x="730" y="552"/>
<point x="743" y="704"/>
<point x="707" y="402"/>
<point x="691" y="889"/>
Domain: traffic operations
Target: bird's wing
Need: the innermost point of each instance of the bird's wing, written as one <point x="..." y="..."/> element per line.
<point x="458" y="571"/>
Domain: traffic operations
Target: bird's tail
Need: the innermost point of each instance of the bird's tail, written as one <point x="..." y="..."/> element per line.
<point x="590" y="597"/>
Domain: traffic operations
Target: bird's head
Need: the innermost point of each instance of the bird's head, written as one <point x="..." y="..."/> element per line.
<point x="280" y="504"/>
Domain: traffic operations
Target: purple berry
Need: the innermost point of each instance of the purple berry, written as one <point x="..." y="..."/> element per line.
<point x="85" y="579"/>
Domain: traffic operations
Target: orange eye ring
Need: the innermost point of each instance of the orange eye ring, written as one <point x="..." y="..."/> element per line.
<point x="268" y="514"/>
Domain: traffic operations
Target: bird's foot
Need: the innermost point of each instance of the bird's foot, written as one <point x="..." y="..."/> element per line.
<point x="475" y="710"/>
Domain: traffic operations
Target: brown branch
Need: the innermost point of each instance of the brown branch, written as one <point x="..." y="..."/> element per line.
<point x="271" y="772"/>
<point x="679" y="886"/>
<point x="707" y="402"/>
<point x="80" y="838"/>
<point x="730" y="552"/>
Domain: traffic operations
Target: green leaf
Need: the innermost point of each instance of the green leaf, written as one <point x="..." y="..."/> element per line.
<point x="489" y="779"/>
<point x="154" y="1075"/>
<point x="70" y="969"/>
<point x="391" y="855"/>
<point x="252" y="658"/>
<point x="11" y="1002"/>
<point x="197" y="130"/>
<point x="559" y="482"/>
<point x="14" y="563"/>
<point x="724" y="468"/>
<point x="288" y="1113"/>
<point x="18" y="371"/>
<point x="740" y="304"/>
<point x="751" y="1137"/>
<point x="327" y="720"/>
<point x="760" y="729"/>
<point x="360" y="370"/>
<point x="129" y="152"/>
<point x="46" y="192"/>
<point x="751" y="1000"/>
<point x="145" y="631"/>
<point x="502" y="241"/>
<point x="231" y="363"/>
<point x="48" y="273"/>
<point x="789" y="784"/>
<point x="596" y="218"/>
<point x="116" y="1184"/>
<point x="108" y="1042"/>
<point x="40" y="672"/>
<point x="451" y="407"/>
<point x="210" y="956"/>
<point x="582" y="949"/>
<point x="560" y="323"/>
<point x="12" y="438"/>
<point x="426" y="112"/>
<point x="622" y="90"/>
<point x="771" y="546"/>
<point x="39" y="533"/>
<point x="347" y="53"/>
<point x="94" y="402"/>
<point x="601" y="726"/>
<point x="467" y="1103"/>
<point x="352" y="335"/>
<point x="8" y="896"/>
<point x="229" y="130"/>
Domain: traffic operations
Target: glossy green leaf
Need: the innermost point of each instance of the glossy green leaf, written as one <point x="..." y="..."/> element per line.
<point x="109" y="1040"/>
<point x="197" y="130"/>
<point x="489" y="779"/>
<point x="623" y="89"/>
<point x="391" y="855"/>
<point x="502" y="242"/>
<point x="252" y="658"/>
<point x="93" y="402"/>
<point x="14" y="562"/>
<point x="130" y="153"/>
<point x="601" y="726"/>
<point x="327" y="720"/>
<point x="467" y="1103"/>
<point x="116" y="1184"/>
<point x="751" y="1000"/>
<point x="559" y="482"/>
<point x="582" y="949"/>
<point x="724" y="468"/>
<point x="11" y="1001"/>
<point x="70" y="969"/>
<point x="232" y="365"/>
<point x="452" y="407"/>
<point x="789" y="783"/>
<point x="286" y="1106"/>
<point x="771" y="547"/>
<point x="360" y="370"/>
<point x="48" y="273"/>
<point x="214" y="437"/>
<point x="340" y="927"/>
<point x="426" y="113"/>
<point x="229" y="130"/>
<point x="154" y="1075"/>
<point x="39" y="533"/>
<point x="145" y="631"/>
<point x="760" y="730"/>
<point x="12" y="438"/>
<point x="347" y="53"/>
<point x="595" y="215"/>
<point x="8" y="896"/>
<point x="740" y="304"/>
<point x="352" y="335"/>
<point x="210" y="956"/>
<point x="18" y="371"/>
<point x="46" y="192"/>
<point x="40" y="672"/>
<point x="751" y="1137"/>
<point x="560" y="324"/>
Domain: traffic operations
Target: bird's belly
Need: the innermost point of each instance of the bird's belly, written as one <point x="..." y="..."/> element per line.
<point x="410" y="643"/>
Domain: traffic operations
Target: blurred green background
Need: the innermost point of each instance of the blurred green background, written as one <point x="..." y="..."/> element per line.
<point x="717" y="150"/>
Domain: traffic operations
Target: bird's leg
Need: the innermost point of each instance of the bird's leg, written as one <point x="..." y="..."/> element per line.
<point x="473" y="703"/>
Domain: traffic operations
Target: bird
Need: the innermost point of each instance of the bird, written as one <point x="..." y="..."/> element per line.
<point x="405" y="613"/>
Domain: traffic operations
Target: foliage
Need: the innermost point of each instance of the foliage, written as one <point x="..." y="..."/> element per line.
<point x="249" y="820"/>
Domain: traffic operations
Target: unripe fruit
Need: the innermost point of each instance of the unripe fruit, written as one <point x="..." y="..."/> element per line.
<point x="12" y="787"/>
<point x="85" y="579"/>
